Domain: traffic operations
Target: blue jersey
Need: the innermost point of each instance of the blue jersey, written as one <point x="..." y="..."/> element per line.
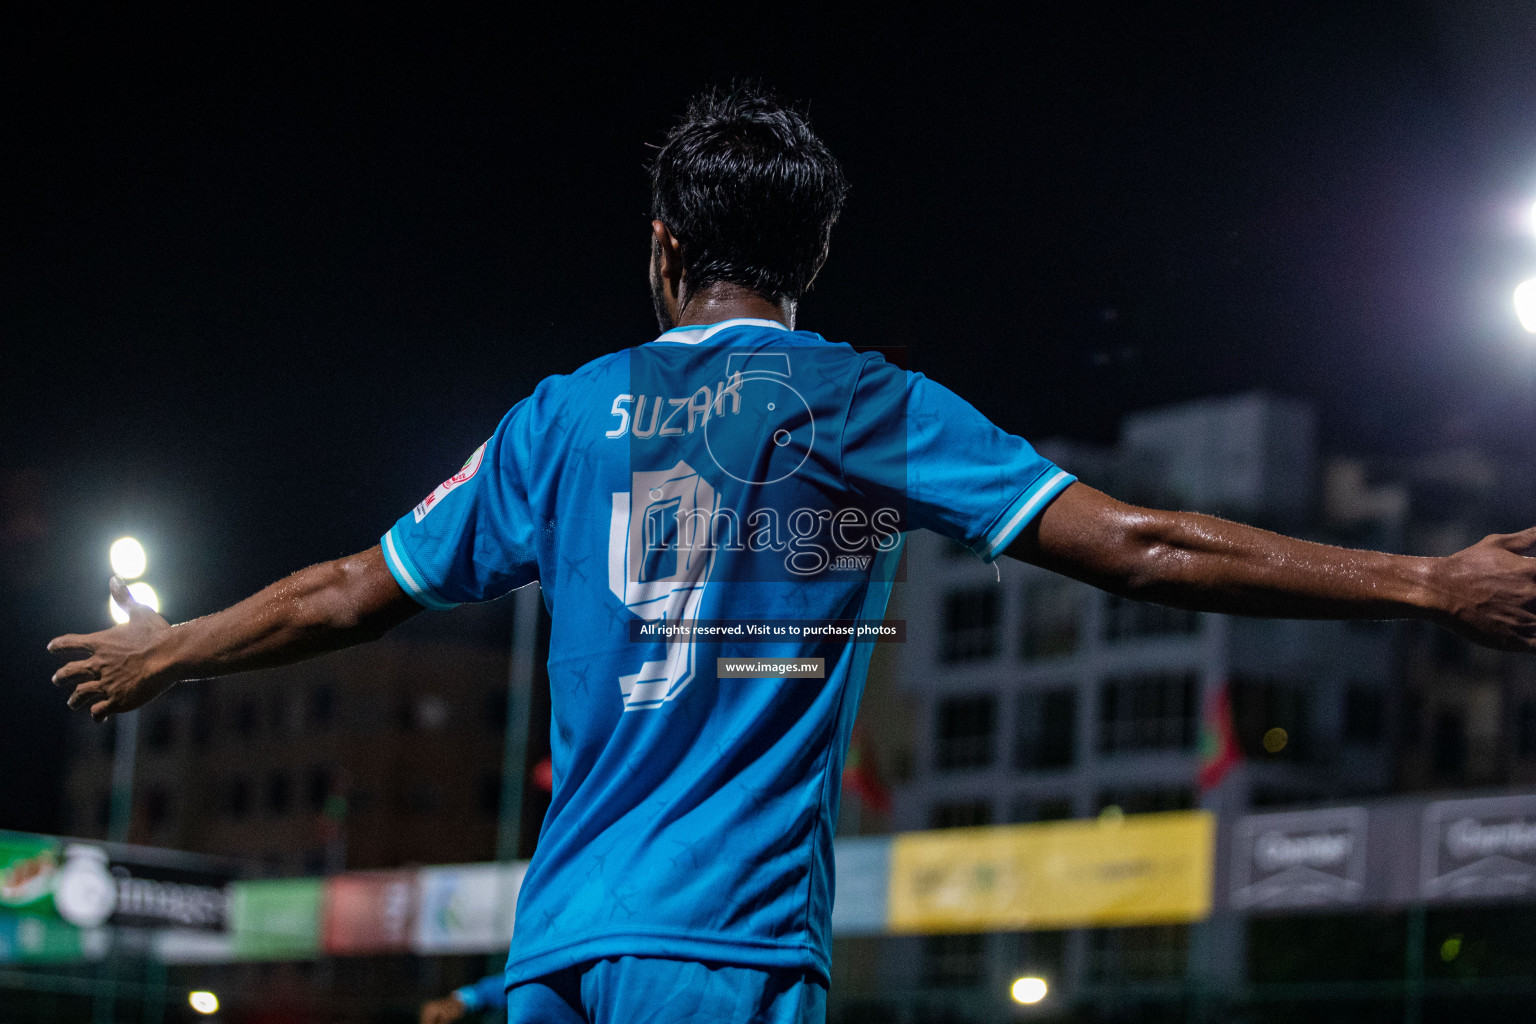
<point x="737" y="491"/>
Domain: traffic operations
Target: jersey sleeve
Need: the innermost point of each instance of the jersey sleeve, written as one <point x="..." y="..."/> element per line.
<point x="473" y="538"/>
<point x="489" y="993"/>
<point x="914" y="445"/>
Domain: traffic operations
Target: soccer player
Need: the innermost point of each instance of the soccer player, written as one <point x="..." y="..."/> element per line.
<point x="755" y="480"/>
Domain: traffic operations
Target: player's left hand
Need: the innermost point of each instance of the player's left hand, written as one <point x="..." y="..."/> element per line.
<point x="443" y="1011"/>
<point x="111" y="671"/>
<point x="1488" y="591"/>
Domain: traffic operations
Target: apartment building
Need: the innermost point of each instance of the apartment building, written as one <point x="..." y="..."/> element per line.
<point x="1040" y="698"/>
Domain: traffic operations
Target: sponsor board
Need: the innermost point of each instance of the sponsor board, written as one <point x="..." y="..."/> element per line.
<point x="1141" y="869"/>
<point x="1300" y="859"/>
<point x="35" y="938"/>
<point x="467" y="908"/>
<point x="862" y="892"/>
<point x="370" y="912"/>
<point x="276" y="919"/>
<point x="92" y="884"/>
<point x="28" y="864"/>
<point x="1483" y="848"/>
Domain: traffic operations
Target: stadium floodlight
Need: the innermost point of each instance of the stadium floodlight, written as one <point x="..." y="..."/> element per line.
<point x="1525" y="304"/>
<point x="203" y="1002"/>
<point x="140" y="592"/>
<point x="128" y="558"/>
<point x="1029" y="991"/>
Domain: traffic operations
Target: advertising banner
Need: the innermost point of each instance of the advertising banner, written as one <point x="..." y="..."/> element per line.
<point x="468" y="908"/>
<point x="91" y="884"/>
<point x="28" y="864"/>
<point x="38" y="939"/>
<point x="1300" y="859"/>
<point x="1483" y="848"/>
<point x="1143" y="869"/>
<point x="1389" y="853"/>
<point x="276" y="919"/>
<point x="369" y="912"/>
<point x="863" y="885"/>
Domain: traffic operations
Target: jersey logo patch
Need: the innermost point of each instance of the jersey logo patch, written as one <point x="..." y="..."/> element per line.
<point x="470" y="468"/>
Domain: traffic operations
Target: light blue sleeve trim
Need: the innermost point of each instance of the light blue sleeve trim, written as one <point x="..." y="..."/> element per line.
<point x="407" y="575"/>
<point x="1019" y="514"/>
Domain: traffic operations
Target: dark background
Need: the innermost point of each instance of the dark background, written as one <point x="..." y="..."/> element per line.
<point x="267" y="277"/>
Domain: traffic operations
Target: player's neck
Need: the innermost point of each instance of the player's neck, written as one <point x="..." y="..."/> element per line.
<point x="724" y="300"/>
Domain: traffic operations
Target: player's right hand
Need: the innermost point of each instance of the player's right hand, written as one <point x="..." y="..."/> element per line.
<point x="111" y="670"/>
<point x="442" y="1011"/>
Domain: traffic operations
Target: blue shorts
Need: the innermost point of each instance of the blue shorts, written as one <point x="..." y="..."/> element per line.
<point x="650" y="990"/>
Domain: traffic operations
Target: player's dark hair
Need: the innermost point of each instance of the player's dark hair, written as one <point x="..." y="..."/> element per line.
<point x="749" y="191"/>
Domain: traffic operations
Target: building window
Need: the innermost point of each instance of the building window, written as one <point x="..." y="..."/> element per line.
<point x="237" y="798"/>
<point x="1158" y="953"/>
<point x="1450" y="650"/>
<point x="1448" y="744"/>
<point x="1147" y="801"/>
<point x="967" y="730"/>
<point x="322" y="707"/>
<point x="961" y="814"/>
<point x="1525" y="729"/>
<point x="1411" y="719"/>
<point x="1045" y="731"/>
<point x="489" y="793"/>
<point x="1040" y="954"/>
<point x="157" y="808"/>
<point x="202" y="717"/>
<point x="247" y="719"/>
<point x="282" y="714"/>
<point x="955" y="961"/>
<point x="1125" y="619"/>
<point x="1025" y="811"/>
<point x="970" y="624"/>
<point x="1150" y="712"/>
<point x="1364" y="715"/>
<point x="279" y="794"/>
<point x="161" y="734"/>
<point x="1053" y="610"/>
<point x="421" y="798"/>
<point x="317" y="788"/>
<point x="1284" y="796"/>
<point x="496" y="710"/>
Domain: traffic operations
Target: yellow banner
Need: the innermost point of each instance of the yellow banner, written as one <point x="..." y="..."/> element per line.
<point x="1136" y="869"/>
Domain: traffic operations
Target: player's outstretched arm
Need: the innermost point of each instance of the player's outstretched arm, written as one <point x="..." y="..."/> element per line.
<point x="323" y="608"/>
<point x="1486" y="592"/>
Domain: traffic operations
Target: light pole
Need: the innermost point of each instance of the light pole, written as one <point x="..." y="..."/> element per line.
<point x="128" y="561"/>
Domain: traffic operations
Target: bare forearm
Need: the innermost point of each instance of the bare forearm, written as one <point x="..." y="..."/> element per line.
<point x="322" y="608"/>
<point x="319" y="609"/>
<point x="1486" y="592"/>
<point x="1209" y="564"/>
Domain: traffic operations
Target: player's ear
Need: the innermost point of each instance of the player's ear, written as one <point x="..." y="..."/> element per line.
<point x="669" y="251"/>
<point x="821" y="261"/>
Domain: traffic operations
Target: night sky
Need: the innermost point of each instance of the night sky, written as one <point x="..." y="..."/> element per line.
<point x="269" y="277"/>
